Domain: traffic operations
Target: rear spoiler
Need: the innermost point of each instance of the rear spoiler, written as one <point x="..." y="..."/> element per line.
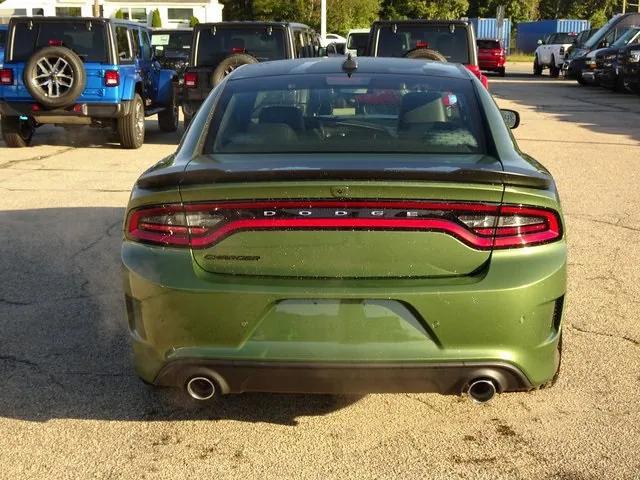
<point x="198" y="173"/>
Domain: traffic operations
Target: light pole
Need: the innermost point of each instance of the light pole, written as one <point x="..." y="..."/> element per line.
<point x="323" y="19"/>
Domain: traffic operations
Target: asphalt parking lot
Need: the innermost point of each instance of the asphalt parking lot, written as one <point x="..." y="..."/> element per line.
<point x="71" y="406"/>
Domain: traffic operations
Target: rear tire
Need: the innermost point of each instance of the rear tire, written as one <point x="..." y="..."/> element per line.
<point x="554" y="71"/>
<point x="426" y="54"/>
<point x="229" y="64"/>
<point x="131" y="126"/>
<point x="168" y="118"/>
<point x="66" y="81"/>
<point x="537" y="68"/>
<point x="16" y="133"/>
<point x="581" y="80"/>
<point x="186" y="121"/>
<point x="502" y="72"/>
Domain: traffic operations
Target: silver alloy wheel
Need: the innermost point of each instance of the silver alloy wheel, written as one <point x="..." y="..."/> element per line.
<point x="54" y="76"/>
<point x="229" y="69"/>
<point x="139" y="120"/>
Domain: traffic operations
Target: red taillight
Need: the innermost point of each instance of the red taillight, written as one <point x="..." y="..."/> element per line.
<point x="55" y="43"/>
<point x="422" y="44"/>
<point x="6" y="76"/>
<point x="237" y="50"/>
<point x="191" y="79"/>
<point x="479" y="225"/>
<point x="112" y="78"/>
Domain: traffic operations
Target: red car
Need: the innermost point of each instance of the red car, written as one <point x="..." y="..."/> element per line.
<point x="491" y="56"/>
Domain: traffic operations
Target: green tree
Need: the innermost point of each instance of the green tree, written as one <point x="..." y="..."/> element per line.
<point x="516" y="10"/>
<point x="193" y="21"/>
<point x="343" y="15"/>
<point x="403" y="9"/>
<point x="119" y="14"/>
<point x="156" y="21"/>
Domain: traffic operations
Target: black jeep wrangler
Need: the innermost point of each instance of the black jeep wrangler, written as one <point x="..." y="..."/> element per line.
<point x="220" y="48"/>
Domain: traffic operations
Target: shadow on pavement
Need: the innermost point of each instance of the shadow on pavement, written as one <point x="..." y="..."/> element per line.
<point x="64" y="350"/>
<point x="600" y="110"/>
<point x="90" y="137"/>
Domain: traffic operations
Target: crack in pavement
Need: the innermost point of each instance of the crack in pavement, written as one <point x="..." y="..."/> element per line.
<point x="34" y="159"/>
<point x="604" y="222"/>
<point x="633" y="341"/>
<point x="92" y="244"/>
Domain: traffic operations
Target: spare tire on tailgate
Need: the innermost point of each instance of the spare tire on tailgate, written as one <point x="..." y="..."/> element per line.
<point x="55" y="77"/>
<point x="229" y="64"/>
<point x="426" y="54"/>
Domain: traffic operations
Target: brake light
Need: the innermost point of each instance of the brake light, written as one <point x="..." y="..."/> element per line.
<point x="480" y="225"/>
<point x="6" y="76"/>
<point x="191" y="79"/>
<point x="112" y="78"/>
<point x="55" y="43"/>
<point x="422" y="44"/>
<point x="237" y="50"/>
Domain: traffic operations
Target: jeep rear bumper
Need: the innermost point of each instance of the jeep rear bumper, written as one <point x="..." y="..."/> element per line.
<point x="450" y="378"/>
<point x="81" y="113"/>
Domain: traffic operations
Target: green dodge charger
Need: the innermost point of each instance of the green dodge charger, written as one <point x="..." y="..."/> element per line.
<point x="339" y="226"/>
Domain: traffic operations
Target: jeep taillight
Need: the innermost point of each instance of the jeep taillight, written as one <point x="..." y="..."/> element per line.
<point x="6" y="76"/>
<point x="481" y="226"/>
<point x="112" y="78"/>
<point x="191" y="79"/>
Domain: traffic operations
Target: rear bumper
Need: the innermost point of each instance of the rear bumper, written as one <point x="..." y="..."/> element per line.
<point x="345" y="334"/>
<point x="67" y="115"/>
<point x="488" y="65"/>
<point x="255" y="376"/>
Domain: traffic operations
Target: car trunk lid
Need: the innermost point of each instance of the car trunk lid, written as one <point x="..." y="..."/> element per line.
<point x="288" y="222"/>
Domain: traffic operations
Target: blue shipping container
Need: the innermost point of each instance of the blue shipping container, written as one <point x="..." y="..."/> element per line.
<point x="528" y="33"/>
<point x="487" y="28"/>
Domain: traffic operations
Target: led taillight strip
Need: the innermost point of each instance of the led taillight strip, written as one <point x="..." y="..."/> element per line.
<point x="545" y="231"/>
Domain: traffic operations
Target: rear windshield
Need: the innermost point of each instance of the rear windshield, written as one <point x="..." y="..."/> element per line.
<point x="561" y="38"/>
<point x="488" y="44"/>
<point x="87" y="39"/>
<point x="172" y="40"/>
<point x="364" y="113"/>
<point x="398" y="40"/>
<point x="263" y="42"/>
<point x="358" y="41"/>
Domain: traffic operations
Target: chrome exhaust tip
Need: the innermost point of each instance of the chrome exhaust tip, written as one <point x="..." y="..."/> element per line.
<point x="201" y="388"/>
<point x="482" y="390"/>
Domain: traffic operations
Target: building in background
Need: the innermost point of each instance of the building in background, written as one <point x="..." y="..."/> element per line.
<point x="174" y="13"/>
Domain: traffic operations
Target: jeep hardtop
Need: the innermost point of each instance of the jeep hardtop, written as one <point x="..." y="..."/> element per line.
<point x="82" y="71"/>
<point x="219" y="48"/>
<point x="439" y="40"/>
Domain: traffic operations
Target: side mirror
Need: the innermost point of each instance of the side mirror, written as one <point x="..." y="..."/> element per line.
<point x="511" y="118"/>
<point x="540" y="42"/>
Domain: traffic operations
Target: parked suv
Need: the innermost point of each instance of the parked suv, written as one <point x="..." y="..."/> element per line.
<point x="629" y="64"/>
<point x="576" y="62"/>
<point x="607" y="72"/>
<point x="491" y="56"/>
<point x="172" y="48"/>
<point x="220" y="48"/>
<point x="440" y="40"/>
<point x="551" y="52"/>
<point x="82" y="71"/>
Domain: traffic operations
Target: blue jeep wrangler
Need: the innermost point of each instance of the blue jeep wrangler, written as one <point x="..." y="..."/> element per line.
<point x="82" y="71"/>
